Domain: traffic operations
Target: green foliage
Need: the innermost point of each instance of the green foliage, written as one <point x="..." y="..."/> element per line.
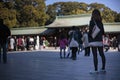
<point x="78" y="11"/>
<point x="51" y="11"/>
<point x="117" y="18"/>
<point x="107" y="15"/>
<point x="69" y="8"/>
<point x="8" y="14"/>
<point x="23" y="13"/>
<point x="30" y="13"/>
<point x="32" y="23"/>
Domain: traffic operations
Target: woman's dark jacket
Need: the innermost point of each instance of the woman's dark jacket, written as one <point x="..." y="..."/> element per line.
<point x="99" y="35"/>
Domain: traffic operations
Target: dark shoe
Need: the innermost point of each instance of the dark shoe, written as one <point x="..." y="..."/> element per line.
<point x="64" y="57"/>
<point x="60" y="57"/>
<point x="73" y="58"/>
<point x="4" y="62"/>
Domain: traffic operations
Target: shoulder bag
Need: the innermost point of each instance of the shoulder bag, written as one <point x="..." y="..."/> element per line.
<point x="95" y="30"/>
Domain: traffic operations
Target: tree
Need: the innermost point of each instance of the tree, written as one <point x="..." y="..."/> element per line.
<point x="117" y="18"/>
<point x="107" y="13"/>
<point x="31" y="11"/>
<point x="8" y="13"/>
<point x="107" y="16"/>
<point x="73" y="8"/>
<point x="51" y="11"/>
<point x="65" y="8"/>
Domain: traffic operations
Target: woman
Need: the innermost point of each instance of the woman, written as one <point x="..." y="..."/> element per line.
<point x="96" y="43"/>
<point x="73" y="43"/>
<point x="62" y="43"/>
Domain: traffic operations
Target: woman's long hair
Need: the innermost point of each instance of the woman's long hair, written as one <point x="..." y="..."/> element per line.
<point x="96" y="15"/>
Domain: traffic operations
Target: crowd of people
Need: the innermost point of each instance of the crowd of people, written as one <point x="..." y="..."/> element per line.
<point x="82" y="37"/>
<point x="78" y="41"/>
<point x="85" y="39"/>
<point x="21" y="43"/>
<point x="110" y="43"/>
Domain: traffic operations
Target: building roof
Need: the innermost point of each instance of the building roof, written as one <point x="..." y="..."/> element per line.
<point x="112" y="27"/>
<point x="27" y="31"/>
<point x="48" y="32"/>
<point x="62" y="22"/>
<point x="81" y="20"/>
<point x="70" y="20"/>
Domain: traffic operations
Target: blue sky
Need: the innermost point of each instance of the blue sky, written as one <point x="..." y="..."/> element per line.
<point x="112" y="4"/>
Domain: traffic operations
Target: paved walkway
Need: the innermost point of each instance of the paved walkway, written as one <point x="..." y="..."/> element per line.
<point x="46" y="65"/>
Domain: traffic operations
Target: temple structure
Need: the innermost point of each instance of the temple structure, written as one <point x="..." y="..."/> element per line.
<point x="64" y="24"/>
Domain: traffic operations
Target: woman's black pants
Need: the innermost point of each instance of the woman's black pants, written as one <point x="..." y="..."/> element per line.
<point x="74" y="50"/>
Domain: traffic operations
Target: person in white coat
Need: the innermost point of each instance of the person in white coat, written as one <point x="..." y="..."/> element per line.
<point x="37" y="43"/>
<point x="12" y="42"/>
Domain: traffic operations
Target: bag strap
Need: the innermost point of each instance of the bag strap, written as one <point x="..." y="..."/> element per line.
<point x="95" y="22"/>
<point x="73" y="35"/>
